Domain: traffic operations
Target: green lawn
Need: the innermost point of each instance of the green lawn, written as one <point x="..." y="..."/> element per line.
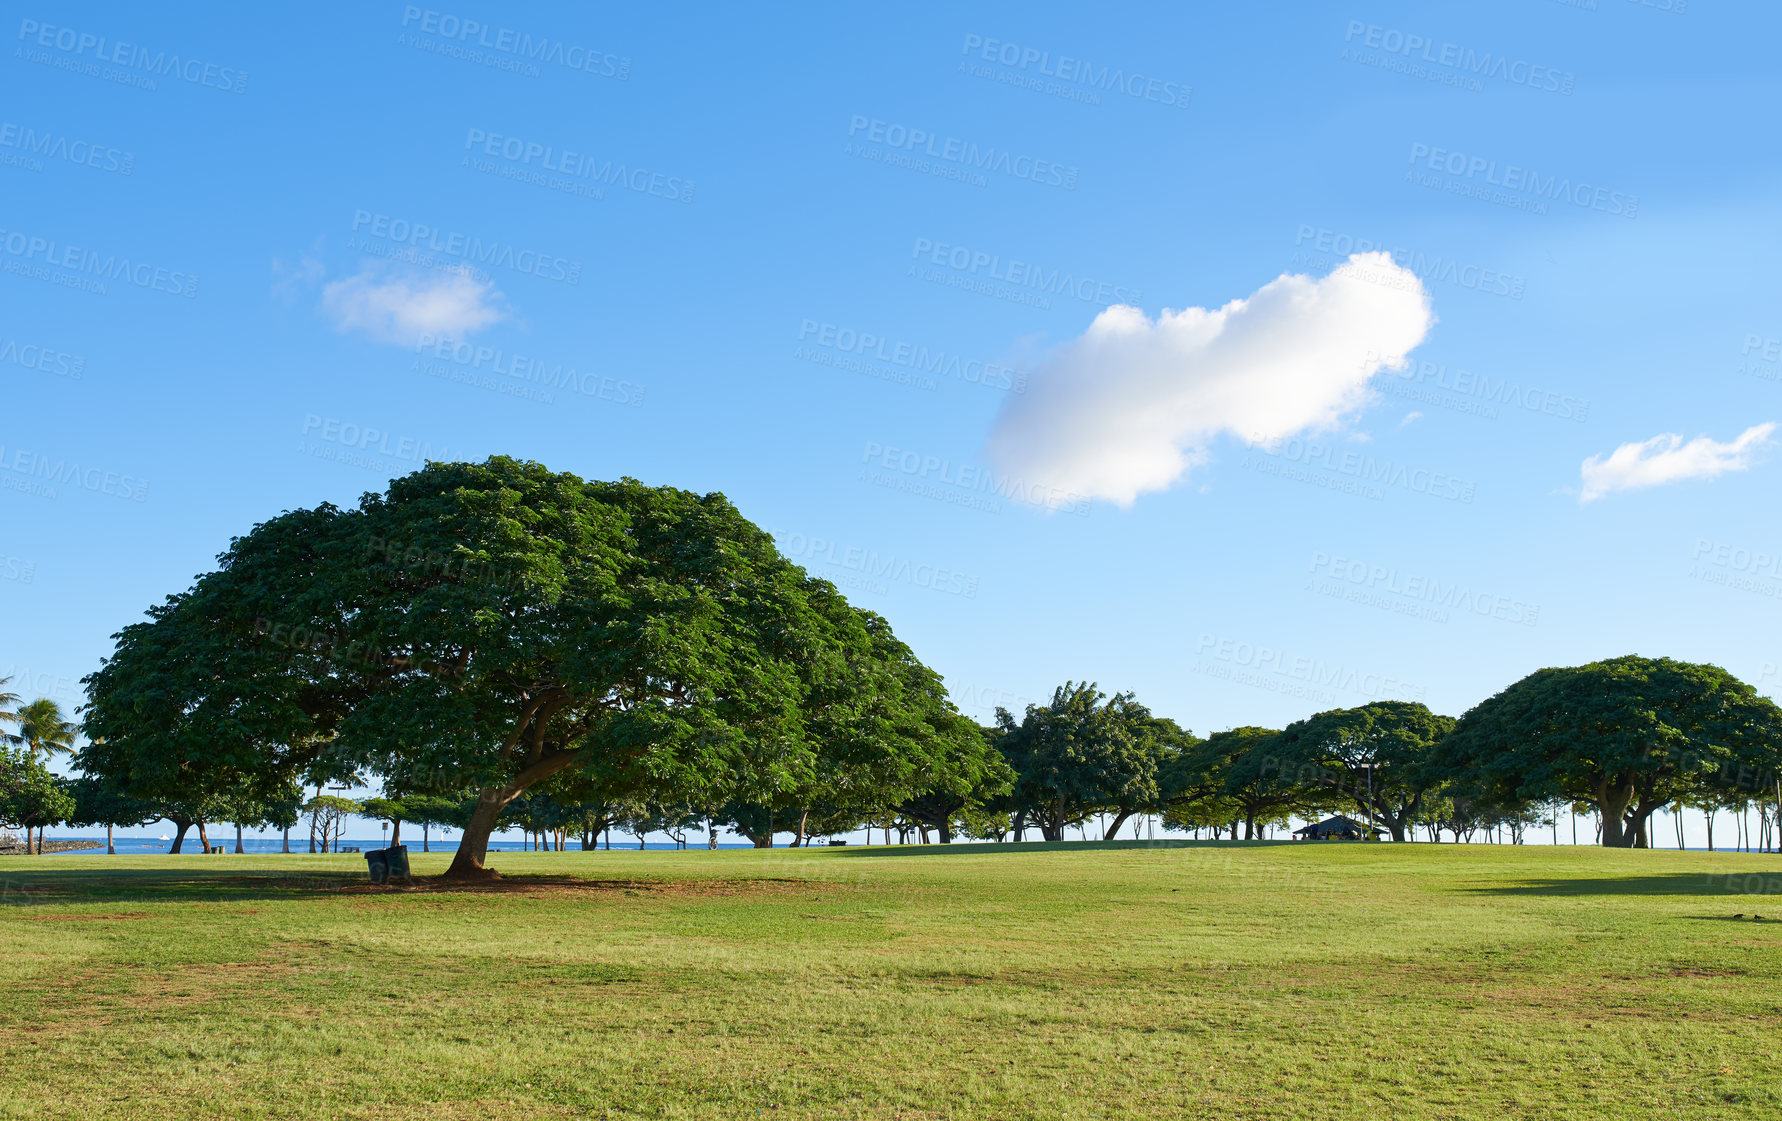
<point x="1006" y="981"/>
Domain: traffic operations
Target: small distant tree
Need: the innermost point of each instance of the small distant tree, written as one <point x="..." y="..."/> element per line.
<point x="326" y="814"/>
<point x="429" y="810"/>
<point x="30" y="796"/>
<point x="392" y="810"/>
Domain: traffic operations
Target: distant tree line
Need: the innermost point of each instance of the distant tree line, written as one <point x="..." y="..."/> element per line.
<point x="500" y="646"/>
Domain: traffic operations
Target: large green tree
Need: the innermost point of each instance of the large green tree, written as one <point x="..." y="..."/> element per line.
<point x="1627" y="735"/>
<point x="1378" y="756"/>
<point x="488" y="626"/>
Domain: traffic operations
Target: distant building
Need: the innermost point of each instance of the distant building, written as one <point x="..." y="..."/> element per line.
<point x="1339" y="828"/>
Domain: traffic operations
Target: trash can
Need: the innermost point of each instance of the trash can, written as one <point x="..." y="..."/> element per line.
<point x="377" y="863"/>
<point x="396" y="856"/>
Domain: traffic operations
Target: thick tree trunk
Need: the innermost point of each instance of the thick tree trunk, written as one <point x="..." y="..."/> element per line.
<point x="204" y="838"/>
<point x="1114" y="830"/>
<point x="179" y="834"/>
<point x="1612" y="801"/>
<point x="473" y="847"/>
<point x="467" y="864"/>
<point x="945" y="829"/>
<point x="287" y="838"/>
<point x="395" y="832"/>
<point x="238" y="847"/>
<point x="109" y="850"/>
<point x="803" y="818"/>
<point x="1019" y="828"/>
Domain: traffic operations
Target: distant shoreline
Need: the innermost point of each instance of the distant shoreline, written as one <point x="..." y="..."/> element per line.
<point x="51" y="847"/>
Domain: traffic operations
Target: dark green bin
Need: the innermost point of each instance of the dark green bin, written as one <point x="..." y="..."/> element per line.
<point x="386" y="864"/>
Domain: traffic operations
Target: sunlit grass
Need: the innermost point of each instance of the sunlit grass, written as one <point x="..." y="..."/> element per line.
<point x="1079" y="981"/>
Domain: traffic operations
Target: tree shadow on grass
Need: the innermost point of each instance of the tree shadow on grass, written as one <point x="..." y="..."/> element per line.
<point x="1674" y="883"/>
<point x="21" y="889"/>
<point x="1043" y="846"/>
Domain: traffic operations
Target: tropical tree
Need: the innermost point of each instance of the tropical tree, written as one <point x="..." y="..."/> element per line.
<point x="1240" y="771"/>
<point x="327" y="813"/>
<point x="496" y="624"/>
<point x="30" y="796"/>
<point x="962" y="783"/>
<point x="1377" y="756"/>
<point x="9" y="702"/>
<point x="43" y="729"/>
<point x="392" y="810"/>
<point x="429" y="810"/>
<point x="1077" y="755"/>
<point x="1626" y="735"/>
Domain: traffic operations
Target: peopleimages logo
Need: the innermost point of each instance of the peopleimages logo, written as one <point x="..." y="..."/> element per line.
<point x="1022" y="275"/>
<point x="919" y="360"/>
<point x="26" y="468"/>
<point x="517" y="44"/>
<point x="937" y="477"/>
<point x="1364" y="468"/>
<point x="963" y="153"/>
<point x="530" y="161"/>
<point x="30" y="143"/>
<point x="1488" y="391"/>
<point x="1312" y="672"/>
<point x="1389" y="580"/>
<point x="1477" y="171"/>
<point x="1454" y="60"/>
<point x="1075" y="78"/>
<point x="83" y="46"/>
<point x="87" y="262"/>
<point x="1428" y="269"/>
<point x="871" y="564"/>
<point x="484" y="254"/>
<point x="525" y="371"/>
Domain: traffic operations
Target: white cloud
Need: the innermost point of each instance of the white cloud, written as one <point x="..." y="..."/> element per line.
<point x="1665" y="458"/>
<point x="1134" y="403"/>
<point x="402" y="307"/>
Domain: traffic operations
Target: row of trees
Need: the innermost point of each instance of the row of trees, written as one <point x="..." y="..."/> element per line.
<point x="497" y="644"/>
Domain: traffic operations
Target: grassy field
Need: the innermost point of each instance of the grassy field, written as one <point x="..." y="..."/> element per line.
<point x="1007" y="981"/>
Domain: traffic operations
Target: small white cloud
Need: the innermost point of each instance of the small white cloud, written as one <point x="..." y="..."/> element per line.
<point x="1665" y="458"/>
<point x="290" y="281"/>
<point x="402" y="307"/>
<point x="1409" y="417"/>
<point x="1134" y="403"/>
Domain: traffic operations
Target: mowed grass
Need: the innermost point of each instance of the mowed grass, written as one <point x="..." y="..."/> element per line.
<point x="996" y="981"/>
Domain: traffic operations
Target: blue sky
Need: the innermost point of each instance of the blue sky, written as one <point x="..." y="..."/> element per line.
<point x="363" y="237"/>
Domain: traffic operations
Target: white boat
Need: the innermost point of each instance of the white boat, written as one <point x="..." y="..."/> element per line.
<point x="165" y="837"/>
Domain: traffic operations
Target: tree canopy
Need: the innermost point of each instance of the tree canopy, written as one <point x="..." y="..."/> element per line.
<point x="1627" y="735"/>
<point x="487" y="626"/>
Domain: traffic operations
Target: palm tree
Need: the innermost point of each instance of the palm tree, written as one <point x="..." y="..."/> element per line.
<point x="7" y="715"/>
<point x="43" y="728"/>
